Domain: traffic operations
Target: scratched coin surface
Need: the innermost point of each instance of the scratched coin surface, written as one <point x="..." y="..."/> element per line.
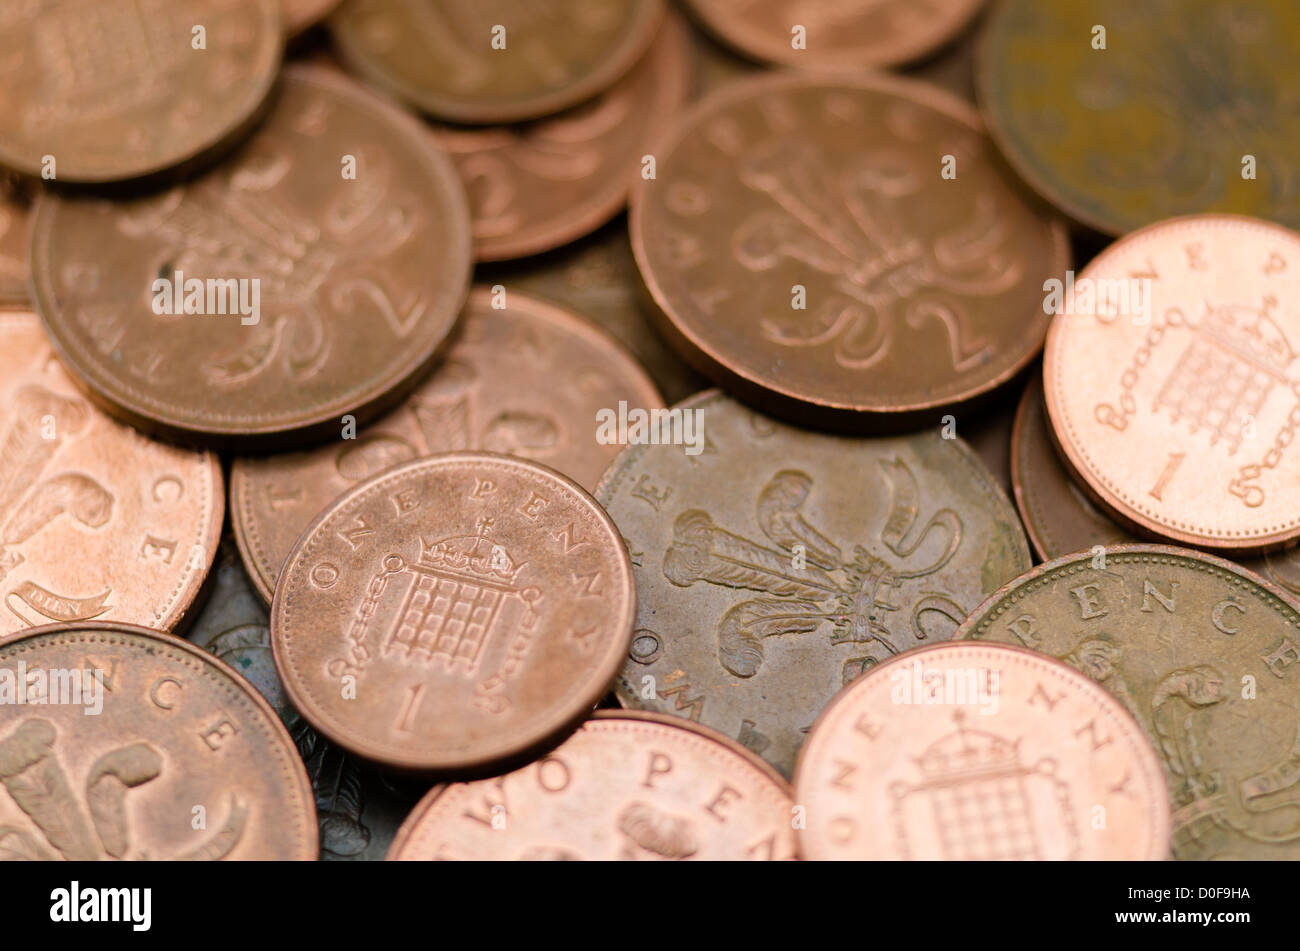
<point x="15" y="259"/>
<point x="314" y="275"/>
<point x="534" y="187"/>
<point x="527" y="380"/>
<point x="1173" y="385"/>
<point x="453" y="612"/>
<point x="499" y="61"/>
<point x="979" y="752"/>
<point x="1191" y="106"/>
<point x="624" y="786"/>
<point x="138" y="735"/>
<point x="1202" y="653"/>
<point x="775" y="565"/>
<point x="96" y="521"/>
<point x="104" y="90"/>
<point x="300" y="15"/>
<point x="821" y="35"/>
<point x="805" y="249"/>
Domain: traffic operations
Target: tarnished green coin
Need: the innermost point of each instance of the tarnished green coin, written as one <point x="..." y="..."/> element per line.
<point x="1124" y="112"/>
<point x="1206" y="656"/>
<point x="774" y="565"/>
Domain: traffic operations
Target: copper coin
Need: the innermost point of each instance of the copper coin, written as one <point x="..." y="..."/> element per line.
<point x="820" y="35"/>
<point x="503" y="61"/>
<point x="1123" y="113"/>
<point x="805" y="250"/>
<point x="537" y="186"/>
<point x="133" y="745"/>
<point x="1201" y="652"/>
<point x="980" y="752"/>
<point x="322" y="295"/>
<point x="96" y="521"/>
<point x="453" y="612"/>
<point x="301" y="15"/>
<point x="15" y="262"/>
<point x="625" y="786"/>
<point x="528" y="380"/>
<point x="1173" y="387"/>
<point x="775" y="565"/>
<point x="101" y="91"/>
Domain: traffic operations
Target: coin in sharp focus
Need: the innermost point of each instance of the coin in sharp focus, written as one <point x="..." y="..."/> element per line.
<point x="505" y="61"/>
<point x="528" y="379"/>
<point x="807" y="249"/>
<point x="302" y="15"/>
<point x="314" y="275"/>
<point x="851" y="36"/>
<point x="1201" y="652"/>
<point x="776" y="564"/>
<point x="138" y="736"/>
<point x="96" y="521"/>
<point x="1123" y="113"/>
<point x="624" y="786"/>
<point x="1173" y="386"/>
<point x="15" y="263"/>
<point x="453" y="613"/>
<point x="980" y="752"/>
<point x="101" y="92"/>
<point x="535" y="187"/>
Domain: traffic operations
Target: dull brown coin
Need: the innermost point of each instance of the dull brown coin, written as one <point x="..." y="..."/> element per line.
<point x="625" y="786"/>
<point x="819" y="35"/>
<point x="1173" y="385"/>
<point x="980" y="752"/>
<point x="845" y="252"/>
<point x="15" y="260"/>
<point x="96" y="521"/>
<point x="301" y="15"/>
<point x="528" y="379"/>
<point x="1202" y="653"/>
<point x="125" y="738"/>
<point x="537" y="186"/>
<point x="453" y="612"/>
<point x="314" y="275"/>
<point x="774" y="565"/>
<point x="504" y="61"/>
<point x="99" y="92"/>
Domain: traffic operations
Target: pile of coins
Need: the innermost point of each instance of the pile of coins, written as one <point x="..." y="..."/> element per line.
<point x="706" y="530"/>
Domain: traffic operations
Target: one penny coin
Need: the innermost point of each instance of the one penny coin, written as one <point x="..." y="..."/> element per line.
<point x="128" y="744"/>
<point x="625" y="786"/>
<point x="980" y="752"/>
<point x="313" y="276"/>
<point x="454" y="612"/>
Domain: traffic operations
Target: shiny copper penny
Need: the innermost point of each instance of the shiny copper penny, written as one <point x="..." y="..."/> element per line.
<point x="1123" y="114"/>
<point x="96" y="521"/>
<point x="1173" y="385"/>
<point x="503" y="61"/>
<point x="354" y="229"/>
<point x="820" y="35"/>
<point x="537" y="186"/>
<point x="15" y="258"/>
<point x="301" y="15"/>
<point x="774" y="565"/>
<point x="980" y="752"/>
<point x="1202" y="653"/>
<point x="142" y="746"/>
<point x="105" y="90"/>
<point x="528" y="380"/>
<point x="625" y="786"/>
<point x="453" y="612"/>
<point x="805" y="249"/>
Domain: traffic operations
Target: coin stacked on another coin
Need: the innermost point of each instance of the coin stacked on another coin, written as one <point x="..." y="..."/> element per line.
<point x="677" y="359"/>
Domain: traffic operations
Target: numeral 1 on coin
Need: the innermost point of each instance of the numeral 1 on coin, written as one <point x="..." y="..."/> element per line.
<point x="1175" y="460"/>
